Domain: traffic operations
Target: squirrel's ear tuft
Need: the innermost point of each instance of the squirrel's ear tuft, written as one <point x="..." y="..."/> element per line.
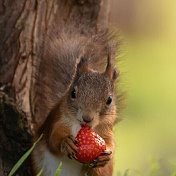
<point x="110" y="71"/>
<point x="83" y="66"/>
<point x="115" y="74"/>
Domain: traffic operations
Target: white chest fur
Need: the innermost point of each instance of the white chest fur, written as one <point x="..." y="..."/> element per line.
<point x="50" y="164"/>
<point x="46" y="161"/>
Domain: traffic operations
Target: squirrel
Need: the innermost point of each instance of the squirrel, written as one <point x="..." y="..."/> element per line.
<point x="75" y="85"/>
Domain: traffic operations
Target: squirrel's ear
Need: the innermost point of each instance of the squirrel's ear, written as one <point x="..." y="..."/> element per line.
<point x="115" y="74"/>
<point x="110" y="71"/>
<point x="83" y="66"/>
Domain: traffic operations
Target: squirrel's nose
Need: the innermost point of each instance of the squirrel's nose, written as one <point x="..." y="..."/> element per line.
<point x="87" y="119"/>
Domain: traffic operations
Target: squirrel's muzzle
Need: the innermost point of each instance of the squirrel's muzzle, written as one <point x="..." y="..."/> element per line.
<point x="87" y="119"/>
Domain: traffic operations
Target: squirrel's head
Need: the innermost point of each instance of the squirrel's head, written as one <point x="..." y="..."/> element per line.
<point x="91" y="97"/>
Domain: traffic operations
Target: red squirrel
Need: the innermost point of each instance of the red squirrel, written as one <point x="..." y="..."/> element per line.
<point x="77" y="86"/>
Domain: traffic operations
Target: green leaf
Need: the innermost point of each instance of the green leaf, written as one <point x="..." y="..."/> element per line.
<point x="58" y="170"/>
<point x="40" y="173"/>
<point x="126" y="172"/>
<point x="24" y="157"/>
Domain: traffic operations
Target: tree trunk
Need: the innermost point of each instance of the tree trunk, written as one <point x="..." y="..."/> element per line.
<point x="23" y="25"/>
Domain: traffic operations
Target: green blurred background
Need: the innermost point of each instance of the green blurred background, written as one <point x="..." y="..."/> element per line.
<point x="146" y="137"/>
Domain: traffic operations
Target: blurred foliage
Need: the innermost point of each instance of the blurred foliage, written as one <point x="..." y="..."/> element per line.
<point x="146" y="144"/>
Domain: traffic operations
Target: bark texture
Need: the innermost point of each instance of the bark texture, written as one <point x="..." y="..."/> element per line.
<point x="23" y="28"/>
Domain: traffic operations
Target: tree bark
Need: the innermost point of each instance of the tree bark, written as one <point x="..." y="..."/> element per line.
<point x="23" y="25"/>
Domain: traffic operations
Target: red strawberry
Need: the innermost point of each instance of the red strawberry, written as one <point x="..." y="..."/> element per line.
<point x="90" y="145"/>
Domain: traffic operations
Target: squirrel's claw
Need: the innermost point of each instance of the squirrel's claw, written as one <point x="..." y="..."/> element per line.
<point x="68" y="147"/>
<point x="102" y="160"/>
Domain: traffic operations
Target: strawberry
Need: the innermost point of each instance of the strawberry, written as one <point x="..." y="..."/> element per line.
<point x="90" y="145"/>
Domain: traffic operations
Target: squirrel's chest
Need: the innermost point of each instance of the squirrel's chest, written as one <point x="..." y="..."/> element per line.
<point x="50" y="163"/>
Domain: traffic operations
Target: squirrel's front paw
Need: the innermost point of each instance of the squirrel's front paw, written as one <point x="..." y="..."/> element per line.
<point x="68" y="147"/>
<point x="102" y="160"/>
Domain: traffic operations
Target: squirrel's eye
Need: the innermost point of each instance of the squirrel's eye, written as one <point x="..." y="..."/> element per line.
<point x="109" y="100"/>
<point x="73" y="94"/>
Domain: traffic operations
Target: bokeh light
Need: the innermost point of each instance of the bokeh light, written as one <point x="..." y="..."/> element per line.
<point x="146" y="138"/>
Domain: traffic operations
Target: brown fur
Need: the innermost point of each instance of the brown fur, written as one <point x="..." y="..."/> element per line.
<point x="78" y="62"/>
